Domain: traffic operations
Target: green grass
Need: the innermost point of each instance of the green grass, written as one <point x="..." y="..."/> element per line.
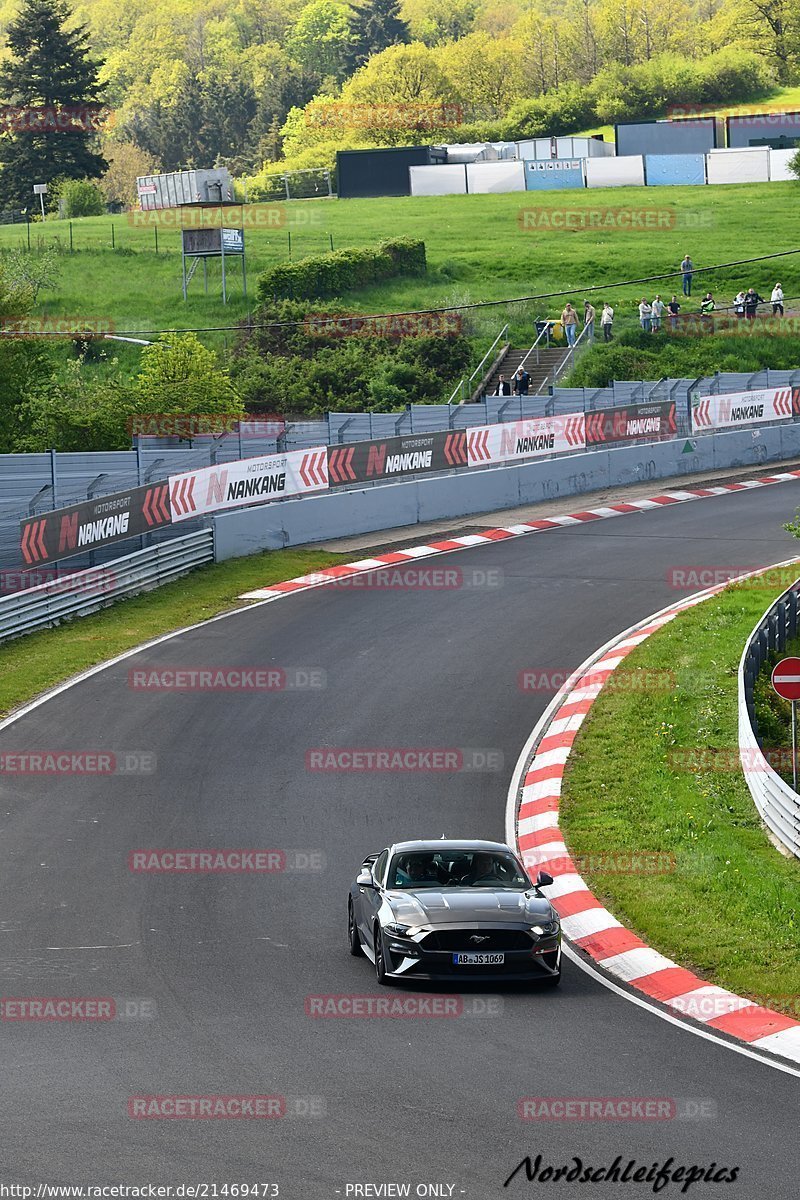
<point x="477" y="251"/>
<point x="31" y="664"/>
<point x="731" y="909"/>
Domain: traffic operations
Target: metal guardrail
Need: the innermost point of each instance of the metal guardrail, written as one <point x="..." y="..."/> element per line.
<point x="86" y="591"/>
<point x="778" y="805"/>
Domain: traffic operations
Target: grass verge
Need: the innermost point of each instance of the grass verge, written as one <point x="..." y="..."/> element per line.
<point x="32" y="664"/>
<point x="730" y="910"/>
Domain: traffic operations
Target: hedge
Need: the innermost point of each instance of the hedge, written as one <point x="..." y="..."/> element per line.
<point x="342" y="270"/>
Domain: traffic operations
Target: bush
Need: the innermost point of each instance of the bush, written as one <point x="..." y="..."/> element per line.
<point x="570" y="108"/>
<point x="734" y="74"/>
<point x="342" y="270"/>
<point x="794" y="164"/>
<point x="80" y="198"/>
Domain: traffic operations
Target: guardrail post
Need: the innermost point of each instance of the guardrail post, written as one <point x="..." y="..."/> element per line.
<point x="792" y="614"/>
<point x="54" y="477"/>
<point x="781" y="631"/>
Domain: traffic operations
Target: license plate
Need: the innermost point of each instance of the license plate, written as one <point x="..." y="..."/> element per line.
<point x="475" y="959"/>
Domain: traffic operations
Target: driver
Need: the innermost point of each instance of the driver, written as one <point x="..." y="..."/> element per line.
<point x="484" y="869"/>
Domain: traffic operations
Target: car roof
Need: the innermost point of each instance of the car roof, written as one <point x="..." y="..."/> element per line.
<point x="448" y="844"/>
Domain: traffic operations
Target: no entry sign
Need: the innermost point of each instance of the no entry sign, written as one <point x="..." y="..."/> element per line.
<point x="786" y="678"/>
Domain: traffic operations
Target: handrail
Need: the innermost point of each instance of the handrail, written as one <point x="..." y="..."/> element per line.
<point x="458" y="388"/>
<point x="569" y="357"/>
<point x="545" y="333"/>
<point x="481" y="364"/>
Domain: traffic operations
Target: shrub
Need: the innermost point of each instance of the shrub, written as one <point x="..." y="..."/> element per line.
<point x="80" y="198"/>
<point x="342" y="270"/>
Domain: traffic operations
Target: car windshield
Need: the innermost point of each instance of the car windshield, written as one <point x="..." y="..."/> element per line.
<point x="416" y="869"/>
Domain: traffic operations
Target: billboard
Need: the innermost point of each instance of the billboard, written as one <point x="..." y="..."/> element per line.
<point x="536" y="438"/>
<point x="248" y="481"/>
<point x="553" y="174"/>
<point x="391" y="458"/>
<point x="94" y="523"/>
<point x="744" y="408"/>
<point x="629" y="422"/>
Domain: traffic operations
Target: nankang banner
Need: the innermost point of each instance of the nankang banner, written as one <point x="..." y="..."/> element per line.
<point x="248" y="481"/>
<point x="744" y="408"/>
<point x="391" y="458"/>
<point x="628" y="422"/>
<point x="94" y="523"/>
<point x="535" y="438"/>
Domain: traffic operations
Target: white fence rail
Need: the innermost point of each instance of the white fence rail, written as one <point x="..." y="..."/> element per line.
<point x="777" y="803"/>
<point x="86" y="591"/>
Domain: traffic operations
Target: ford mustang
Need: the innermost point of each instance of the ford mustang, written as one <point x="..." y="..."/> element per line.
<point x="447" y="910"/>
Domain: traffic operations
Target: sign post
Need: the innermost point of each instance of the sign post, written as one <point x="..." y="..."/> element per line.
<point x="786" y="682"/>
<point x="40" y="190"/>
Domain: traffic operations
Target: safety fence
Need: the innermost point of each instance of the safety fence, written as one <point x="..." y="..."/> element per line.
<point x="777" y="803"/>
<point x="83" y="592"/>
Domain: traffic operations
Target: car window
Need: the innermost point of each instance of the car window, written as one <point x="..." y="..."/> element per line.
<point x="380" y="866"/>
<point x="417" y="869"/>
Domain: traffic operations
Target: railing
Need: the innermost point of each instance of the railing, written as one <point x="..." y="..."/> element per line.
<point x="777" y="803"/>
<point x="86" y="591"/>
<point x="567" y="362"/>
<point x="462" y="387"/>
<point x="543" y="333"/>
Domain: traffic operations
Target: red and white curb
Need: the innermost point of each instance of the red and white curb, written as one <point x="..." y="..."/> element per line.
<point x="330" y="574"/>
<point x="532" y="824"/>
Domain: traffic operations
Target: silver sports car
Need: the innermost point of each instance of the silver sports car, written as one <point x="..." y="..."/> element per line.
<point x="452" y="910"/>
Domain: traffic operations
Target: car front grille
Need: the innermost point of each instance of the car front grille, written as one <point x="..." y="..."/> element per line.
<point x="493" y="939"/>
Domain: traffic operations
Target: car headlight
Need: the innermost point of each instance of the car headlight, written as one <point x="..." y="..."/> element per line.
<point x="545" y="928"/>
<point x="397" y="930"/>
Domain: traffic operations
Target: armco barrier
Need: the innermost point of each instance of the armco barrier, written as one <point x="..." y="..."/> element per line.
<point x="367" y="510"/>
<point x="777" y="803"/>
<point x="84" y="592"/>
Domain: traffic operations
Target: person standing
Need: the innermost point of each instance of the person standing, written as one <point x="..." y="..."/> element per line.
<point x="657" y="307"/>
<point x="521" y="382"/>
<point x="707" y="307"/>
<point x="777" y="300"/>
<point x="738" y="304"/>
<point x="645" y="314"/>
<point x="607" y="320"/>
<point x="751" y="303"/>
<point x="503" y="387"/>
<point x="687" y="268"/>
<point x="589" y="315"/>
<point x="569" y="319"/>
<point x="673" y="308"/>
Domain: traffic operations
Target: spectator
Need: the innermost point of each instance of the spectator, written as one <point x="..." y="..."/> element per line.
<point x="658" y="307"/>
<point x="674" y="308"/>
<point x="687" y="267"/>
<point x="522" y="382"/>
<point x="569" y="319"/>
<point x="751" y="303"/>
<point x="607" y="320"/>
<point x="738" y="303"/>
<point x="589" y="315"/>
<point x="707" y="307"/>
<point x="777" y="300"/>
<point x="503" y="387"/>
<point x="645" y="314"/>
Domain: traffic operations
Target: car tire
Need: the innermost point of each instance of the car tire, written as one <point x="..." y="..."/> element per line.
<point x="352" y="931"/>
<point x="380" y="964"/>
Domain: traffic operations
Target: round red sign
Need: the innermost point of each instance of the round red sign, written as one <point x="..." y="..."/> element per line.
<point x="786" y="678"/>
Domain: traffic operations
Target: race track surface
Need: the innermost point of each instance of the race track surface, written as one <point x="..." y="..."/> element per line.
<point x="226" y="961"/>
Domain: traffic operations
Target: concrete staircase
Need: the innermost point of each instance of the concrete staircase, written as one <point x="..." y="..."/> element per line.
<point x="549" y="359"/>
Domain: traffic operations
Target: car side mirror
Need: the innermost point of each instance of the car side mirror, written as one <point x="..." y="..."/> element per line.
<point x="364" y="879"/>
<point x="543" y="879"/>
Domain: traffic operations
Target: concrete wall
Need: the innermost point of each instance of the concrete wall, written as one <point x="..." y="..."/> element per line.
<point x="389" y="506"/>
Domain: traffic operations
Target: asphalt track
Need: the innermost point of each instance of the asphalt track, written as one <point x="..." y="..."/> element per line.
<point x="228" y="960"/>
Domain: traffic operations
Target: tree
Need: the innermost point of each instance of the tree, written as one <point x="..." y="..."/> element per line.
<point x="126" y="162"/>
<point x="322" y="38"/>
<point x="376" y="25"/>
<point x="180" y="375"/>
<point x="50" y="70"/>
<point x="485" y="71"/>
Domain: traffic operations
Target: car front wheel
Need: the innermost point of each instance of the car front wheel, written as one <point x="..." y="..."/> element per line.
<point x="352" y="931"/>
<point x="380" y="965"/>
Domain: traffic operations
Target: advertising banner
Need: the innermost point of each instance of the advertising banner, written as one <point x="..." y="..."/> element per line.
<point x="248" y="481"/>
<point x="526" y="439"/>
<point x="93" y="523"/>
<point x="628" y="422"/>
<point x="744" y="408"/>
<point x="391" y="458"/>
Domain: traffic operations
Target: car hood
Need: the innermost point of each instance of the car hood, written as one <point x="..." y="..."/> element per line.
<point x="431" y="906"/>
